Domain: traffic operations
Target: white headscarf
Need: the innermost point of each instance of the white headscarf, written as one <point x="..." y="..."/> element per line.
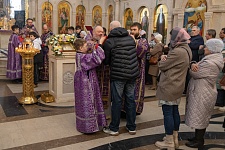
<point x="214" y="45"/>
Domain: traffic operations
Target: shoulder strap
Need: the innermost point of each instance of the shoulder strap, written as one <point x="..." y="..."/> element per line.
<point x="188" y="54"/>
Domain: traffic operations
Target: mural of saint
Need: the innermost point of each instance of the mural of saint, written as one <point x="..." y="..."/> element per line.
<point x="110" y="12"/>
<point x="160" y="24"/>
<point x="80" y="16"/>
<point x="47" y="14"/>
<point x="194" y="14"/>
<point x="64" y="16"/>
<point x="128" y="19"/>
<point x="144" y="20"/>
<point x="97" y="16"/>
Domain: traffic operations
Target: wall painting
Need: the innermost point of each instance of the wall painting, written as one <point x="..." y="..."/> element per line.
<point x="63" y="17"/>
<point x="111" y="15"/>
<point x="194" y="14"/>
<point x="160" y="21"/>
<point x="144" y="19"/>
<point x="97" y="16"/>
<point x="128" y="18"/>
<point x="80" y="16"/>
<point x="47" y="9"/>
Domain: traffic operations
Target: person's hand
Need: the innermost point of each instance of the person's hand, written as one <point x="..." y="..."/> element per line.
<point x="163" y="57"/>
<point x="194" y="67"/>
<point x="132" y="36"/>
<point x="188" y="41"/>
<point x="201" y="46"/>
<point x="102" y="39"/>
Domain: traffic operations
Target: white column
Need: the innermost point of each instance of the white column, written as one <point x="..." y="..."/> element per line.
<point x="208" y="21"/>
<point x="117" y="10"/>
<point x="180" y="20"/>
<point x="55" y="20"/>
<point x="169" y="28"/>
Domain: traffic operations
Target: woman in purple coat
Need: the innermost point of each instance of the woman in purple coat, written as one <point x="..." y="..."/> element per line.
<point x="90" y="116"/>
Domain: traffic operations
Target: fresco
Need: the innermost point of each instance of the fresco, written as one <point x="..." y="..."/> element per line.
<point x="194" y="15"/>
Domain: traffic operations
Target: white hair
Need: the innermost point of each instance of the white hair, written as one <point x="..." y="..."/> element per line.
<point x="114" y="24"/>
<point x="159" y="37"/>
<point x="196" y="27"/>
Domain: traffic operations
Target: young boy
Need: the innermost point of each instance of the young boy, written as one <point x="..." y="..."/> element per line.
<point x="89" y="111"/>
<point x="14" y="63"/>
<point x="38" y="58"/>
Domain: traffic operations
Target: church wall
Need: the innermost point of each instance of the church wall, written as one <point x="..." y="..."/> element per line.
<point x="35" y="11"/>
<point x="213" y="17"/>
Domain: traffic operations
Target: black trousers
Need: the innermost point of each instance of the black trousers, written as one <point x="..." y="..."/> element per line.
<point x="36" y="73"/>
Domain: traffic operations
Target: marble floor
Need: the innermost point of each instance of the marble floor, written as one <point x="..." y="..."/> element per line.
<point x="48" y="126"/>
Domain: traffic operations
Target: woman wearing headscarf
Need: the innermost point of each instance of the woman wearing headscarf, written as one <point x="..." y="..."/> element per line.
<point x="202" y="92"/>
<point x="173" y="68"/>
<point x="155" y="52"/>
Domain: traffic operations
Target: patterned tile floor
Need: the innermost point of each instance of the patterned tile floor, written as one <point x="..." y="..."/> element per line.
<point x="42" y="127"/>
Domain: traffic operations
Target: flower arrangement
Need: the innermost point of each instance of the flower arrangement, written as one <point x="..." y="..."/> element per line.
<point x="56" y="42"/>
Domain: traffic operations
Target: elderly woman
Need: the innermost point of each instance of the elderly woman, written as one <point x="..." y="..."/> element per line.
<point x="202" y="92"/>
<point x="155" y="52"/>
<point x="173" y="68"/>
<point x="83" y="34"/>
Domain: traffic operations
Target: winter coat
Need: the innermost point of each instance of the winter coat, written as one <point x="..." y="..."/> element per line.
<point x="221" y="74"/>
<point x="202" y="92"/>
<point x="121" y="55"/>
<point x="156" y="51"/>
<point x="173" y="73"/>
<point x="196" y="41"/>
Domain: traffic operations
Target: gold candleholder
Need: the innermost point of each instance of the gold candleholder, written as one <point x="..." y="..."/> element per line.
<point x="27" y="51"/>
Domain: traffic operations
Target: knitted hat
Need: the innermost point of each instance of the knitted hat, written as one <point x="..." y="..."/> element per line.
<point x="214" y="45"/>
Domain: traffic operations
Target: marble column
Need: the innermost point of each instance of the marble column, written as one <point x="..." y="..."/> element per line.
<point x="55" y="19"/>
<point x="180" y="20"/>
<point x="169" y="28"/>
<point x="117" y="10"/>
<point x="208" y="21"/>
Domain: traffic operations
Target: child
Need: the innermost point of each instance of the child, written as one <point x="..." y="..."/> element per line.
<point x="38" y="58"/>
<point x="14" y="63"/>
<point x="89" y="111"/>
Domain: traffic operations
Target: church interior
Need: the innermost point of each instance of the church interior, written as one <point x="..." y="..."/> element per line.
<point x="49" y="123"/>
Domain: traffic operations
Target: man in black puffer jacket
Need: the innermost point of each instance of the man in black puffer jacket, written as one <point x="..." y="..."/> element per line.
<point x="121" y="55"/>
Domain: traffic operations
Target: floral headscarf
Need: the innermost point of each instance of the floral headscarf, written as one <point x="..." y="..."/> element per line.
<point x="178" y="36"/>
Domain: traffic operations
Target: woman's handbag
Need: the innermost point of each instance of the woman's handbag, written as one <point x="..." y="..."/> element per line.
<point x="153" y="60"/>
<point x="222" y="81"/>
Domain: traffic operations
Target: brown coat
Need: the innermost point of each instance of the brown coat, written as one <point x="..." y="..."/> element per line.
<point x="156" y="51"/>
<point x="173" y="73"/>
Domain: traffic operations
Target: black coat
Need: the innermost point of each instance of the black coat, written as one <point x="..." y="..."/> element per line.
<point x="196" y="41"/>
<point x="121" y="55"/>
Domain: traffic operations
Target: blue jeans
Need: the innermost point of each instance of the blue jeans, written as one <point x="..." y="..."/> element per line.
<point x="171" y="118"/>
<point x="118" y="89"/>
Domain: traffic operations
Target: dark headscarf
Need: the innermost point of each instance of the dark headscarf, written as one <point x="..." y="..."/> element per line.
<point x="178" y="36"/>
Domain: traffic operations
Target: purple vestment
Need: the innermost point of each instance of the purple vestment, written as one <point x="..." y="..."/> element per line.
<point x="142" y="48"/>
<point x="44" y="74"/>
<point x="25" y="30"/>
<point x="14" y="62"/>
<point x="89" y="110"/>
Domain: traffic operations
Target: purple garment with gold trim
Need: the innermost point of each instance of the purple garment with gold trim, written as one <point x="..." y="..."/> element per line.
<point x="25" y="31"/>
<point x="142" y="48"/>
<point x="44" y="74"/>
<point x="89" y="110"/>
<point x="14" y="62"/>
